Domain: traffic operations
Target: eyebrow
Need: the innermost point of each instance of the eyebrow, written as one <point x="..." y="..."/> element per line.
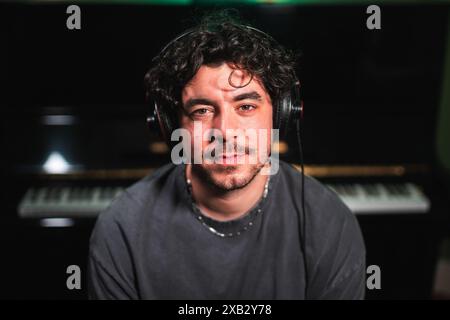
<point x="253" y="95"/>
<point x="249" y="95"/>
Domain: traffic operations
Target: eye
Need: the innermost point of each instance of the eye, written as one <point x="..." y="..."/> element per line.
<point x="200" y="112"/>
<point x="247" y="107"/>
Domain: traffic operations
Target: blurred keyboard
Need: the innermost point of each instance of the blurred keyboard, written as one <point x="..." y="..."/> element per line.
<point x="66" y="202"/>
<point x="364" y="198"/>
<point x="382" y="198"/>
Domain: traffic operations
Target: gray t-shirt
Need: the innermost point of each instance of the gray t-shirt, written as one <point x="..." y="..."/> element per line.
<point x="152" y="243"/>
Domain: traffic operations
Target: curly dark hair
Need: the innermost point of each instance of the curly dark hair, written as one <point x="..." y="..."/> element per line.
<point x="218" y="39"/>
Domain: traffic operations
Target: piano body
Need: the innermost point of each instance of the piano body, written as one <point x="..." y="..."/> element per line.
<point x="74" y="134"/>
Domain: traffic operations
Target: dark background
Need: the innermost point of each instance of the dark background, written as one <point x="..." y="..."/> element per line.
<point x="371" y="97"/>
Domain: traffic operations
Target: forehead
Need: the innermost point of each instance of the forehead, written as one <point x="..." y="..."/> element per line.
<point x="222" y="80"/>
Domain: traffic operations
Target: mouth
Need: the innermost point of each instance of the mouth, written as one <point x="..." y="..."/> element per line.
<point x="233" y="158"/>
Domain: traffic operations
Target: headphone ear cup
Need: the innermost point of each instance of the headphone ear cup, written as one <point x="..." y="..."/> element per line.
<point x="153" y="121"/>
<point x="282" y="115"/>
<point x="167" y="122"/>
<point x="297" y="103"/>
<point x="157" y="122"/>
<point x="288" y="110"/>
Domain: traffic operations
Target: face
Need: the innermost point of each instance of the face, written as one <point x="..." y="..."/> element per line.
<point x="222" y="98"/>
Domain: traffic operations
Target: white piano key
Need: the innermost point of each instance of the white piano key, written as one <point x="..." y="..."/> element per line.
<point x="86" y="203"/>
<point x="386" y="202"/>
<point x="96" y="199"/>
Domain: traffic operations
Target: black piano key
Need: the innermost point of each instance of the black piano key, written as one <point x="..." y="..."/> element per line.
<point x="106" y="193"/>
<point x="33" y="195"/>
<point x="371" y="190"/>
<point x="47" y="194"/>
<point x="402" y="190"/>
<point x="85" y="194"/>
<point x="55" y="194"/>
<point x="350" y="190"/>
<point x="74" y="194"/>
<point x="390" y="190"/>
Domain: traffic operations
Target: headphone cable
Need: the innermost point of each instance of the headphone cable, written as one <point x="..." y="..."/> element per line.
<point x="302" y="222"/>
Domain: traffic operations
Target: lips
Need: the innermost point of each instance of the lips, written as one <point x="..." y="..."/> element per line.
<point x="232" y="155"/>
<point x="231" y="158"/>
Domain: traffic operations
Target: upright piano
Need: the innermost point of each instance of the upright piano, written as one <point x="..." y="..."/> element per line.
<point x="74" y="133"/>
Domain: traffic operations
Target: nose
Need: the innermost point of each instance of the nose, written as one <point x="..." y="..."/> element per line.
<point x="226" y="120"/>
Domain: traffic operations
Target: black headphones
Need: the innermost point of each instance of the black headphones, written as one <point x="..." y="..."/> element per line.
<point x="286" y="110"/>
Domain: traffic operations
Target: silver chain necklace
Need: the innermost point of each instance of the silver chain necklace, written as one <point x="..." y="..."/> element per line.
<point x="257" y="211"/>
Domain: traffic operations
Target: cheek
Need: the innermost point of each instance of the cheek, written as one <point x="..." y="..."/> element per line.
<point x="197" y="132"/>
<point x="268" y="118"/>
<point x="268" y="140"/>
<point x="268" y="127"/>
<point x="263" y="120"/>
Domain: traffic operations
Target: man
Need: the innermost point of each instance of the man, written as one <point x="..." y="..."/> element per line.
<point x="223" y="229"/>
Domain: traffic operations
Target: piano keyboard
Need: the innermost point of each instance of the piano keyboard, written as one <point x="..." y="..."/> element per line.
<point x="382" y="198"/>
<point x="66" y="202"/>
<point x="89" y="202"/>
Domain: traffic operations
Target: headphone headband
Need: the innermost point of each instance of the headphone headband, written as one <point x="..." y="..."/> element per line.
<point x="192" y="30"/>
<point x="287" y="108"/>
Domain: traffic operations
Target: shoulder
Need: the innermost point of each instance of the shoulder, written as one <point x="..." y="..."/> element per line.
<point x="334" y="244"/>
<point x="322" y="204"/>
<point x="152" y="184"/>
<point x="326" y="213"/>
<point x="120" y="221"/>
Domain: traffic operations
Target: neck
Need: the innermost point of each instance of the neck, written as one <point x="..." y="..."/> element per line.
<point x="225" y="205"/>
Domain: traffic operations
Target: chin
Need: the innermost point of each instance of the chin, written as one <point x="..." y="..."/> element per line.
<point x="228" y="177"/>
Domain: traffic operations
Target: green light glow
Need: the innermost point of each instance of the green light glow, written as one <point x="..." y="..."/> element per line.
<point x="245" y="2"/>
